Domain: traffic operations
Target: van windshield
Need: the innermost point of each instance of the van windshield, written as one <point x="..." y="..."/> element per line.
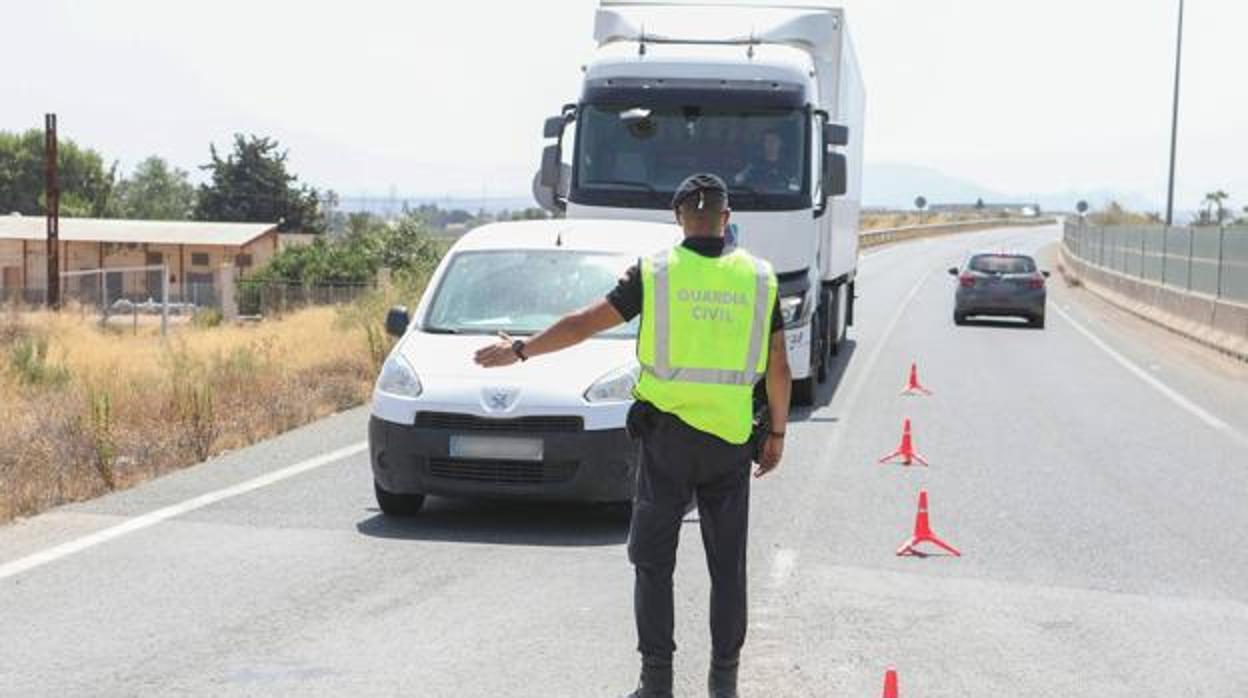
<point x="522" y="292"/>
<point x="637" y="156"/>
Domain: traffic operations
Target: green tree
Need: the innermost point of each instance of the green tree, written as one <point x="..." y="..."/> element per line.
<point x="155" y="191"/>
<point x="86" y="186"/>
<point x="252" y="184"/>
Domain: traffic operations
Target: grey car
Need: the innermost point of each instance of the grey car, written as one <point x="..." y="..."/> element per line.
<point x="1000" y="284"/>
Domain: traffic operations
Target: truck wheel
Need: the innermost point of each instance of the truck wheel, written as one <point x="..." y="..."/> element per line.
<point x="804" y="392"/>
<point x="819" y="329"/>
<point x="840" y="314"/>
<point x="393" y="504"/>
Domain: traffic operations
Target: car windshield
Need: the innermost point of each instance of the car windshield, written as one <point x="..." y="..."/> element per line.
<point x="645" y="152"/>
<point x="1002" y="264"/>
<point x="522" y="291"/>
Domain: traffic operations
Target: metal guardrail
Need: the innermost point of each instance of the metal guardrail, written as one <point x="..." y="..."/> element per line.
<point x="1206" y="260"/>
<point x="882" y="236"/>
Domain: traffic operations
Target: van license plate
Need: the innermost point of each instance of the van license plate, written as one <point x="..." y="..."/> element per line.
<point x="496" y="448"/>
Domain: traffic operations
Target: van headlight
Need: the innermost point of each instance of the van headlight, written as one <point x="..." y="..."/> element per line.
<point x="397" y="378"/>
<point x="616" y="386"/>
<point x="792" y="308"/>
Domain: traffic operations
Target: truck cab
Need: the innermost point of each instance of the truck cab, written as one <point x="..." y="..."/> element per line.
<point x="745" y="93"/>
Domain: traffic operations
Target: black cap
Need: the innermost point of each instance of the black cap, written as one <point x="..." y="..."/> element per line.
<point x="700" y="184"/>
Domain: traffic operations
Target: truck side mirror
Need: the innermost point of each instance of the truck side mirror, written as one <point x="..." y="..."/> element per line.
<point x="551" y="157"/>
<point x="835" y="174"/>
<point x="835" y="134"/>
<point x="550" y="184"/>
<point x="553" y="128"/>
<point x="397" y="321"/>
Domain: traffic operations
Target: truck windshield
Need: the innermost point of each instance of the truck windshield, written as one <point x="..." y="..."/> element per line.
<point x="522" y="292"/>
<point x="637" y="156"/>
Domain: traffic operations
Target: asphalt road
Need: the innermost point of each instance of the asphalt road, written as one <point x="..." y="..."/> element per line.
<point x="1093" y="475"/>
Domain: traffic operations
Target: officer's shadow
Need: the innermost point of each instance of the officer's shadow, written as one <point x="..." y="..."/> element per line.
<point x="542" y="524"/>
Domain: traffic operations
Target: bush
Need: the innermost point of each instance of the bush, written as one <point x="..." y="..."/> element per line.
<point x="207" y="317"/>
<point x="28" y="357"/>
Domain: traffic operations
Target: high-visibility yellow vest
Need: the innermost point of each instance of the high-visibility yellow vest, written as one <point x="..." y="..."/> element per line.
<point x="705" y="326"/>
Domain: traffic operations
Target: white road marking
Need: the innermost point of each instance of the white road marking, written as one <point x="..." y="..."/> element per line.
<point x="138" y="523"/>
<point x="851" y="397"/>
<point x="782" y="566"/>
<point x="1173" y="395"/>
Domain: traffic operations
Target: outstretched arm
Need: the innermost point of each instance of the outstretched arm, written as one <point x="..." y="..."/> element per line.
<point x="571" y="329"/>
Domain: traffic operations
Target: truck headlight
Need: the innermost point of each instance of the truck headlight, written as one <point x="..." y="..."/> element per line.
<point x="397" y="378"/>
<point x="792" y="308"/>
<point x="616" y="386"/>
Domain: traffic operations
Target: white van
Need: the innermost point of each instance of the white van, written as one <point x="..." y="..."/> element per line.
<point x="549" y="428"/>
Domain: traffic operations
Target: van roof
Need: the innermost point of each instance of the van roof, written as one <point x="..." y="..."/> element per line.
<point x="614" y="236"/>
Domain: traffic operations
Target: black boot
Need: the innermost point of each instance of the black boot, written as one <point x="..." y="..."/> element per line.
<point x="722" y="680"/>
<point x="656" y="679"/>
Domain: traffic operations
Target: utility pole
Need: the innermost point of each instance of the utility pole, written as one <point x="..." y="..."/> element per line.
<point x="52" y="195"/>
<point x="1174" y="119"/>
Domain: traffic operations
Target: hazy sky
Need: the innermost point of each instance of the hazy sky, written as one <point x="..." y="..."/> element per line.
<point x="437" y="97"/>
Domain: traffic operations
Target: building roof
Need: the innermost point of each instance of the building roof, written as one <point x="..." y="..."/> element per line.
<point x="16" y="227"/>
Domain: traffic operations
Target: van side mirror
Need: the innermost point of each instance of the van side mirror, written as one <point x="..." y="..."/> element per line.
<point x="835" y="134"/>
<point x="835" y="174"/>
<point x="397" y="320"/>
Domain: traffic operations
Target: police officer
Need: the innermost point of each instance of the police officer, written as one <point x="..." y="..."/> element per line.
<point x="710" y="330"/>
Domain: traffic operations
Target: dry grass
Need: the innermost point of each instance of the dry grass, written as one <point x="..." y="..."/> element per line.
<point x="86" y="409"/>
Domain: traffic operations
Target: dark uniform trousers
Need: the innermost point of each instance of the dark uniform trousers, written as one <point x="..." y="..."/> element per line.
<point x="678" y="461"/>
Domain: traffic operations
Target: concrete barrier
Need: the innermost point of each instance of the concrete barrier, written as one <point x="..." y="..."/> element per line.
<point x="883" y="236"/>
<point x="1216" y="323"/>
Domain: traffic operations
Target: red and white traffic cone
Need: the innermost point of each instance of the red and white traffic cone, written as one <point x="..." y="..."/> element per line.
<point x="890" y="683"/>
<point x="905" y="451"/>
<point x="913" y="386"/>
<point x="923" y="533"/>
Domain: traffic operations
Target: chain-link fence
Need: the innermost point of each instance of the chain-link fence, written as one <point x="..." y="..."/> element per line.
<point x="1209" y="260"/>
<point x="138" y="292"/>
<point x="267" y="298"/>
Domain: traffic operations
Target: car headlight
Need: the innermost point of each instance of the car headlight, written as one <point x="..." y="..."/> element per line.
<point x="397" y="378"/>
<point x="791" y="308"/>
<point x="616" y="386"/>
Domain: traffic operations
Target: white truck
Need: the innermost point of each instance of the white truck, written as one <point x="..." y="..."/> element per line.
<point x="770" y="98"/>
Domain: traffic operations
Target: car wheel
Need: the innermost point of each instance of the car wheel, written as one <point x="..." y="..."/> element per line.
<point x="959" y="318"/>
<point x="394" y="504"/>
<point x="1037" y="321"/>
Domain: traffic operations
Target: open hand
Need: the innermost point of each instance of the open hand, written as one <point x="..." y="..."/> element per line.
<point x="497" y="354"/>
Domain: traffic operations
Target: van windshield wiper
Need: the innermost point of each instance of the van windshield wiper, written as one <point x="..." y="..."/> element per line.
<point x="440" y="330"/>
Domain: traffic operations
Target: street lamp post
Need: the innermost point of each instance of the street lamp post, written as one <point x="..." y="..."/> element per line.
<point x="1174" y="119"/>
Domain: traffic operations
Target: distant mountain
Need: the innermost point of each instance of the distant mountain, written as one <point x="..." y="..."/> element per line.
<point x="895" y="185"/>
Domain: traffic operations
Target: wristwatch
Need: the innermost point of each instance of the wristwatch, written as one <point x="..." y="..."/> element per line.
<point x="517" y="348"/>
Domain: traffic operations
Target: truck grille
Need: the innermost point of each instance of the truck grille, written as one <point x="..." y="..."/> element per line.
<point x="467" y="422"/>
<point x="502" y="472"/>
